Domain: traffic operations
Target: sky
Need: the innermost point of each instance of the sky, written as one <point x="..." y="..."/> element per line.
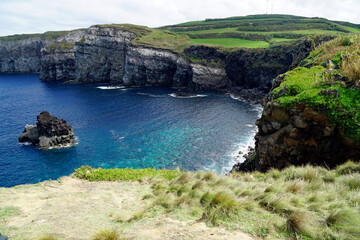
<point x="37" y="16"/>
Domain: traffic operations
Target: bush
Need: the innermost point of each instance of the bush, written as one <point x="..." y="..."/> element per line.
<point x="108" y="235"/>
<point x="348" y="168"/>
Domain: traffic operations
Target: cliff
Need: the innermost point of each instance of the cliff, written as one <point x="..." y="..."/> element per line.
<point x="312" y="115"/>
<point x="139" y="56"/>
<point x="23" y="53"/>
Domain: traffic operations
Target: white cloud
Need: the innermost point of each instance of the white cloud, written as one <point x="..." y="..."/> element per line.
<point x="29" y="16"/>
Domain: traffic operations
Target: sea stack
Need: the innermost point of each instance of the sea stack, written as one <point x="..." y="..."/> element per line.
<point x="49" y="131"/>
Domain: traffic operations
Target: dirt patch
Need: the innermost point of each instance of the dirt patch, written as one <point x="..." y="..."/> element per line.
<point x="75" y="209"/>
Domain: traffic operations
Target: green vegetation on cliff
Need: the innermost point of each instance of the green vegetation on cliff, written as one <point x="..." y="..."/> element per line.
<point x="50" y="35"/>
<point x="331" y="84"/>
<point x="270" y="28"/>
<point x="297" y="202"/>
<point x="231" y="42"/>
<point x="125" y="174"/>
<point x="60" y="46"/>
<point x="154" y="38"/>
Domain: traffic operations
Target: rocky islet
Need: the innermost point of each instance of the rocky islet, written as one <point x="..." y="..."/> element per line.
<point x="48" y="132"/>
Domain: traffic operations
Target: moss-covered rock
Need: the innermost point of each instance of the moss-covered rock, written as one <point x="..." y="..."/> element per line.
<point x="312" y="115"/>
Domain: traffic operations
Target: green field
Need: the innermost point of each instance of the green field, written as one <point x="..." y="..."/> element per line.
<point x="231" y="42"/>
<point x="282" y="39"/>
<point x="270" y="28"/>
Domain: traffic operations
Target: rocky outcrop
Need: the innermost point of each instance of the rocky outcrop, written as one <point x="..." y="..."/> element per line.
<point x="209" y="77"/>
<point x="21" y="56"/>
<point x="48" y="132"/>
<point x="299" y="136"/>
<point x="100" y="55"/>
<point x="57" y="64"/>
<point x="155" y="67"/>
<point x="105" y="54"/>
<point x="256" y="68"/>
<point x="24" y="54"/>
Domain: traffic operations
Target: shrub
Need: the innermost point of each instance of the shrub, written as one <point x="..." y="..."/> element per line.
<point x="352" y="182"/>
<point x="345" y="220"/>
<point x="223" y="207"/>
<point x="108" y="235"/>
<point x="302" y="223"/>
<point x="48" y="237"/>
<point x="348" y="168"/>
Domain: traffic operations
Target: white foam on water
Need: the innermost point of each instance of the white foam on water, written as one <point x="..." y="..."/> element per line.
<point x="175" y="95"/>
<point x="249" y="125"/>
<point x="110" y="87"/>
<point x="25" y="143"/>
<point x="234" y="97"/>
<point x="76" y="142"/>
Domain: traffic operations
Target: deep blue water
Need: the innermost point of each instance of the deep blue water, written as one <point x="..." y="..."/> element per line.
<point x="135" y="127"/>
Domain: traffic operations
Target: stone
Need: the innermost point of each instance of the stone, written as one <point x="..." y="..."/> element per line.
<point x="49" y="131"/>
<point x="307" y="138"/>
<point x="30" y="134"/>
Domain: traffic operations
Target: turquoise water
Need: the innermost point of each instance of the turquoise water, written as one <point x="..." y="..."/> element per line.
<point x="129" y="127"/>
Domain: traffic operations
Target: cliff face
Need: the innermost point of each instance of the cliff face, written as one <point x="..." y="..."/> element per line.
<point x="300" y="135"/>
<point x="154" y="67"/>
<point x="256" y="68"/>
<point x="29" y="55"/>
<point x="21" y="56"/>
<point x="100" y="55"/>
<point x="57" y="64"/>
<point x="105" y="54"/>
<point x="311" y="115"/>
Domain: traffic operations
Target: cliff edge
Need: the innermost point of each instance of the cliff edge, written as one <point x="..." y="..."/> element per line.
<point x="312" y="114"/>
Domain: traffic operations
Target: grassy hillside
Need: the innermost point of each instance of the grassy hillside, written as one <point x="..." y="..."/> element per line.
<point x="329" y="80"/>
<point x="298" y="202"/>
<point x="270" y="28"/>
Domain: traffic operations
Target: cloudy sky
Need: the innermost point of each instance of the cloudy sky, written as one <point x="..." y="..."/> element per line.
<point x="35" y="16"/>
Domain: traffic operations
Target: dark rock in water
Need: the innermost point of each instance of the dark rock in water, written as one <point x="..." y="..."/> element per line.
<point x="49" y="132"/>
<point x="30" y="134"/>
<point x="248" y="165"/>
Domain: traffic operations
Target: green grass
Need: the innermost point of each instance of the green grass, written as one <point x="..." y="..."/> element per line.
<point x="108" y="235"/>
<point x="297" y="202"/>
<point x="163" y="40"/>
<point x="8" y="212"/>
<point x="154" y="38"/>
<point x="309" y="85"/>
<point x="47" y="35"/>
<point x="125" y="174"/>
<point x="48" y="237"/>
<point x="139" y="30"/>
<point x="231" y="42"/>
<point x="282" y="39"/>
<point x="263" y="27"/>
<point x="62" y="45"/>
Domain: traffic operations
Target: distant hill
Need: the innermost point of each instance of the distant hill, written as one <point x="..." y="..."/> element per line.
<point x="264" y="29"/>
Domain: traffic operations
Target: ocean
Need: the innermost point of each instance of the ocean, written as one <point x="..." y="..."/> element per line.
<point x="120" y="127"/>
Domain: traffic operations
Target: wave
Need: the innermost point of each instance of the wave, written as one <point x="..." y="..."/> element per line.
<point x="76" y="142"/>
<point x="235" y="97"/>
<point x="249" y="125"/>
<point x="110" y="87"/>
<point x="237" y="156"/>
<point x="186" y="95"/>
<point x="25" y="143"/>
